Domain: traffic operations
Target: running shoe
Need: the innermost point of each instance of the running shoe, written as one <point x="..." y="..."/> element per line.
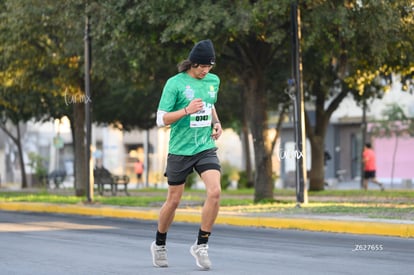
<point x="200" y="253"/>
<point x="159" y="255"/>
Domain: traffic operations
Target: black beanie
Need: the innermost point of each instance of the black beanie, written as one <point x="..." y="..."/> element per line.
<point x="203" y="53"/>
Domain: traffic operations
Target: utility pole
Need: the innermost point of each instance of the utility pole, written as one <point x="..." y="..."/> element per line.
<point x="300" y="134"/>
<point x="147" y="159"/>
<point x="363" y="139"/>
<point x="88" y="124"/>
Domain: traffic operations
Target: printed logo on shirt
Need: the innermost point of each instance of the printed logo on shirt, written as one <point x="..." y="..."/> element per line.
<point x="189" y="93"/>
<point x="212" y="92"/>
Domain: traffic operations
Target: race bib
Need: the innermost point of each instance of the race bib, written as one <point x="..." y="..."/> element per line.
<point x="202" y="118"/>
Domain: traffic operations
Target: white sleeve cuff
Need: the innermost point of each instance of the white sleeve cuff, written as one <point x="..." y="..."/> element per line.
<point x="160" y="118"/>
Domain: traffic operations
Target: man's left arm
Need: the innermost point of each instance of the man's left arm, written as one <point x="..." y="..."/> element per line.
<point x="216" y="124"/>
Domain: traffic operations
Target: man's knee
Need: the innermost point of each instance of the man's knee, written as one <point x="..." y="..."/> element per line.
<point x="214" y="192"/>
<point x="172" y="202"/>
<point x="174" y="198"/>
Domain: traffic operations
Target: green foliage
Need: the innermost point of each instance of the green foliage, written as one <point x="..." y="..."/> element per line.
<point x="40" y="197"/>
<point x="229" y="173"/>
<point x="131" y="201"/>
<point x="224" y="181"/>
<point x="357" y="42"/>
<point x="135" y="43"/>
<point x="346" y="45"/>
<point x="34" y="38"/>
<point x="244" y="181"/>
<point x="38" y="165"/>
<point x="350" y="48"/>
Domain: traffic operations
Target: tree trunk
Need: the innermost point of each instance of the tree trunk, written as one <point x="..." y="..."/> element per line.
<point x="263" y="175"/>
<point x="317" y="134"/>
<point x="79" y="148"/>
<point x="17" y="141"/>
<point x="256" y="106"/>
<point x="317" y="173"/>
<point x="21" y="159"/>
<point x="246" y="143"/>
<point x="247" y="156"/>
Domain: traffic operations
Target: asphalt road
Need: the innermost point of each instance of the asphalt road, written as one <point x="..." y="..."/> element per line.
<point x="36" y="243"/>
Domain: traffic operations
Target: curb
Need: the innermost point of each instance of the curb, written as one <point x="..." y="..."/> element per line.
<point x="192" y="215"/>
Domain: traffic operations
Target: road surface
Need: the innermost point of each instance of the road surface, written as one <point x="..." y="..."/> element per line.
<point x="35" y="243"/>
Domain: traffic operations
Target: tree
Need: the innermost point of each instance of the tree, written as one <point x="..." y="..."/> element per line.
<point x="42" y="41"/>
<point x="251" y="44"/>
<point x="138" y="68"/>
<point x="253" y="49"/>
<point x="24" y="72"/>
<point x="13" y="113"/>
<point x="348" y="47"/>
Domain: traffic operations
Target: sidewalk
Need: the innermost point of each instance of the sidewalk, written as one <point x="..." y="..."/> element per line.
<point x="227" y="216"/>
<point x="356" y="185"/>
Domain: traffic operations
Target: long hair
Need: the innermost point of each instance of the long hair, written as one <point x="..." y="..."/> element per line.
<point x="184" y="65"/>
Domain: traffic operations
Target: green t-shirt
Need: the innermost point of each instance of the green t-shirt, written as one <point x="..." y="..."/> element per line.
<point x="190" y="134"/>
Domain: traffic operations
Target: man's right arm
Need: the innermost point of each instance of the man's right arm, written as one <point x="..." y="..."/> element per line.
<point x="166" y="118"/>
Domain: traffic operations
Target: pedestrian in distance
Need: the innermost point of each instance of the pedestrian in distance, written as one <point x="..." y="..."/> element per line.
<point x="326" y="157"/>
<point x="187" y="106"/>
<point x="139" y="170"/>
<point x="370" y="167"/>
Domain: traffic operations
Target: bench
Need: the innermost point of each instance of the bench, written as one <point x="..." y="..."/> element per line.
<point x="121" y="180"/>
<point x="102" y="178"/>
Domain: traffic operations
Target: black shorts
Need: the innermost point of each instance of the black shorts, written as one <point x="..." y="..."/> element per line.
<point x="179" y="167"/>
<point x="369" y="174"/>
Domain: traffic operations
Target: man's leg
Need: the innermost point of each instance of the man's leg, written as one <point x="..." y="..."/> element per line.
<point x="211" y="206"/>
<point x="167" y="211"/>
<point x="209" y="214"/>
<point x="365" y="184"/>
<point x="367" y="177"/>
<point x="374" y="180"/>
<point x="166" y="217"/>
